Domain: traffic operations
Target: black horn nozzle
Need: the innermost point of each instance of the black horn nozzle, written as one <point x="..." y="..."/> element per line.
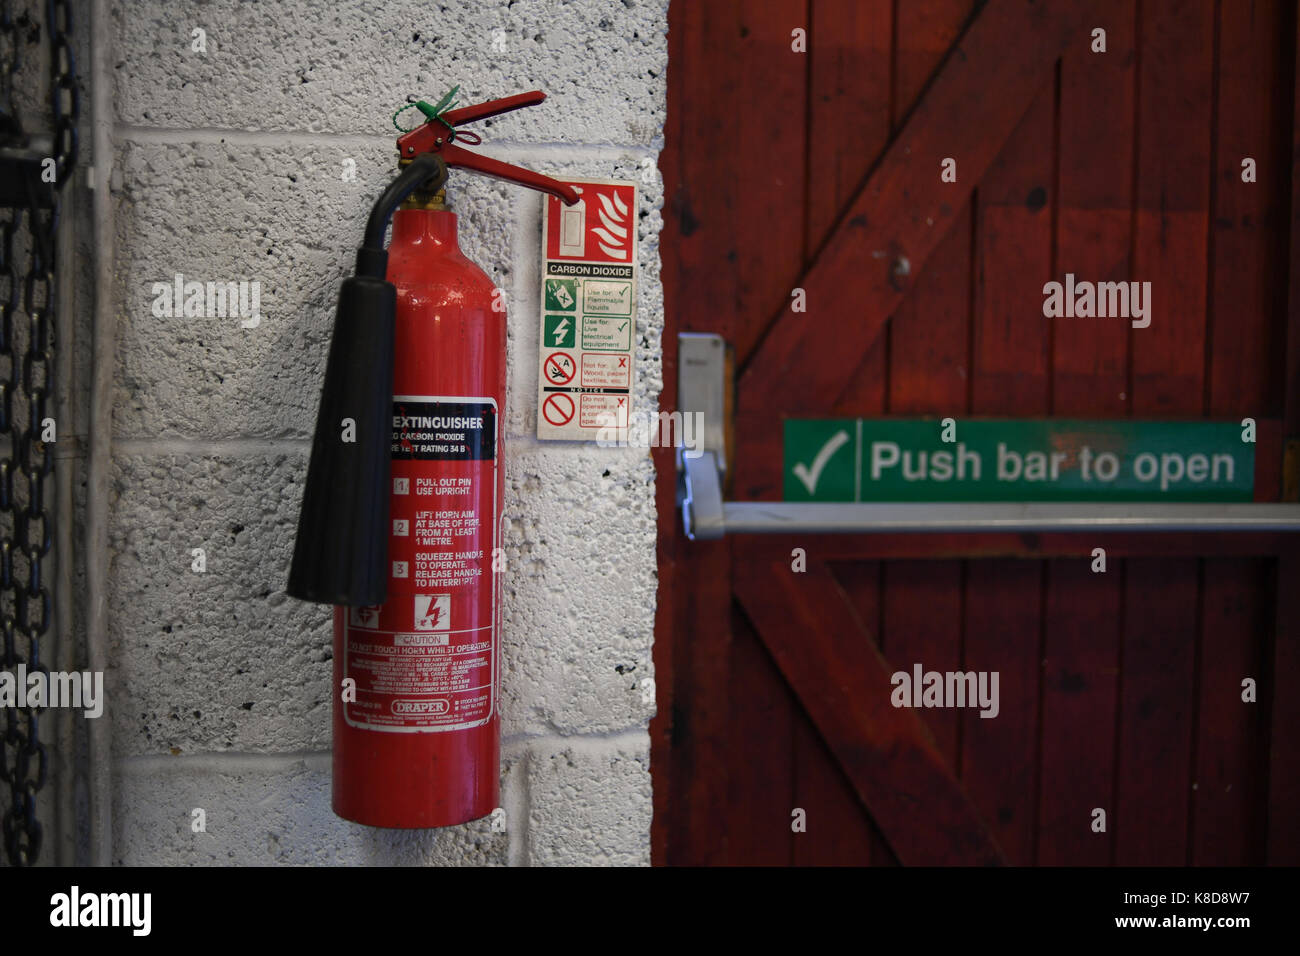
<point x="341" y="552"/>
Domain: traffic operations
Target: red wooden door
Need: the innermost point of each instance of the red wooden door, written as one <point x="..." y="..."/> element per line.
<point x="1122" y="691"/>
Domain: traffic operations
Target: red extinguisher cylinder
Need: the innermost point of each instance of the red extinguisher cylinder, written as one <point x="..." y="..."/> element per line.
<point x="417" y="719"/>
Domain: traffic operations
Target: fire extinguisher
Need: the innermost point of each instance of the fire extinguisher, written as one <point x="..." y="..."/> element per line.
<point x="401" y="512"/>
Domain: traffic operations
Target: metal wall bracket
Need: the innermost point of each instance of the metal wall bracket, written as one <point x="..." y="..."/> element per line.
<point x="700" y="496"/>
<point x="703" y="391"/>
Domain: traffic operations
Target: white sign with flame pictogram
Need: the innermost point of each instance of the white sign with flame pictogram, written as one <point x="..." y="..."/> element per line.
<point x="588" y="312"/>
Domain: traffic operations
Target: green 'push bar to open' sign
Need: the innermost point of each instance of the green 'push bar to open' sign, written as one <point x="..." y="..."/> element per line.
<point x="854" y="459"/>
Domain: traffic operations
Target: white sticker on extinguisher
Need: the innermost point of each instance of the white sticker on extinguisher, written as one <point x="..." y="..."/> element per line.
<point x="427" y="659"/>
<point x="588" y="313"/>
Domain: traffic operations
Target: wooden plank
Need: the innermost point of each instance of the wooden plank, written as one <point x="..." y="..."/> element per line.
<point x="667" y="822"/>
<point x="1284" y="706"/>
<point x="901" y="213"/>
<point x="761" y="203"/>
<point x="1284" y="717"/>
<point x="1230" y="799"/>
<point x="929" y="334"/>
<point x="1094" y="218"/>
<point x="999" y="755"/>
<point x="852" y="80"/>
<point x="664" y="822"/>
<point x="1153" y="762"/>
<point x="1173" y="177"/>
<point x="926" y="34"/>
<point x="1013" y="259"/>
<point x="927" y="373"/>
<point x="757" y="253"/>
<point x="1009" y="376"/>
<point x="849" y="114"/>
<point x="759" y="765"/>
<point x="734" y="219"/>
<point x="1172" y="253"/>
<point x="1268" y="459"/>
<point x="842" y="367"/>
<point x="674" y="752"/>
<point x="1292" y="389"/>
<point x="840" y="830"/>
<point x="848" y="118"/>
<point x="827" y="656"/>
<point x="728" y="263"/>
<point x="700" y="715"/>
<point x="922" y="624"/>
<point x="872" y="547"/>
<point x="1247" y="332"/>
<point x="667" y="667"/>
<point x="1080" y="671"/>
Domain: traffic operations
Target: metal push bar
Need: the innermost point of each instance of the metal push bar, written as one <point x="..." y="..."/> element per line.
<point x="706" y="516"/>
<point x="703" y="388"/>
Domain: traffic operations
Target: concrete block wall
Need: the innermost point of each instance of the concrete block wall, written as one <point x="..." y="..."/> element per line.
<point x="229" y="165"/>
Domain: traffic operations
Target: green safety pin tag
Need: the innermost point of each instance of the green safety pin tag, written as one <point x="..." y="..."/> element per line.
<point x="430" y="112"/>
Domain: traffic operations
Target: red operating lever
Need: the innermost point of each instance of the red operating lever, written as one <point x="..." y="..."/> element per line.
<point x="438" y="136"/>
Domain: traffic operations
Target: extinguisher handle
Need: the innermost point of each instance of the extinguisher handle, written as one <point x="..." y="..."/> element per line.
<point x="438" y="136"/>
<point x="471" y="114"/>
<point x="461" y="158"/>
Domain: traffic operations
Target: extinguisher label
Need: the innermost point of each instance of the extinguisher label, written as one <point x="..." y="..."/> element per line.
<point x="426" y="661"/>
<point x="444" y="431"/>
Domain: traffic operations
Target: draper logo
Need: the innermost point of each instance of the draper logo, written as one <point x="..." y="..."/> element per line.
<point x="74" y="909"/>
<point x="406" y="708"/>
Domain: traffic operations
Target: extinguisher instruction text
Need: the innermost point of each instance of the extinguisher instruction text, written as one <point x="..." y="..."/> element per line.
<point x="424" y="661"/>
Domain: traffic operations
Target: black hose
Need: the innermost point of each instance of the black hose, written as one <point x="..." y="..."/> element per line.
<point x="425" y="168"/>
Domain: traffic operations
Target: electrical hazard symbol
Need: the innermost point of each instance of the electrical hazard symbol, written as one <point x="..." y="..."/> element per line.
<point x="432" y="612"/>
<point x="560" y="332"/>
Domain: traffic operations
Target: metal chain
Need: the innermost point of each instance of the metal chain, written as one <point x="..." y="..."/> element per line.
<point x="26" y="385"/>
